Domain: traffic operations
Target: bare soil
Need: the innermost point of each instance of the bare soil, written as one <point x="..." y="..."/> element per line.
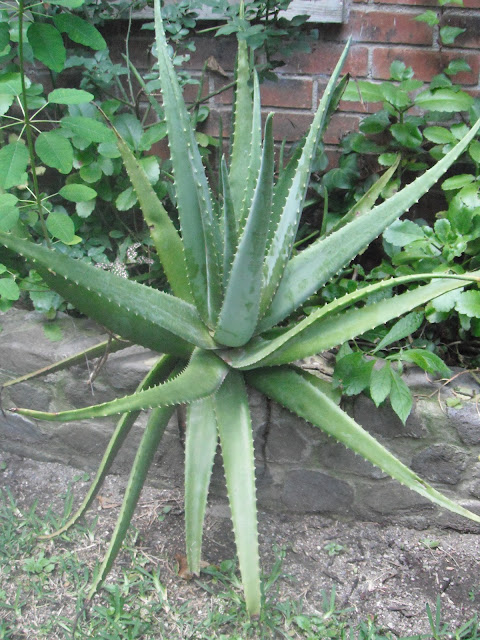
<point x="390" y="572"/>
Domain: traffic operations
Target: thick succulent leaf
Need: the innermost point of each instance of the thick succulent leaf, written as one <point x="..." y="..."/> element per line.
<point x="200" y="446"/>
<point x="314" y="266"/>
<point x="327" y="327"/>
<point x="291" y="209"/>
<point x="367" y="201"/>
<point x="236" y="439"/>
<point x="161" y="370"/>
<point x="202" y="376"/>
<point x="162" y="230"/>
<point x="252" y="160"/>
<point x="238" y="316"/>
<point x="229" y="223"/>
<point x="100" y="349"/>
<point x="302" y="395"/>
<point x="200" y="229"/>
<point x="152" y="435"/>
<point x="136" y="312"/>
<point x="242" y="129"/>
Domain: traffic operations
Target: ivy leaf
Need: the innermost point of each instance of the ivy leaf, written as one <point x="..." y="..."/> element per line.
<point x="80" y="31"/>
<point x="353" y="373"/>
<point x="55" y="151"/>
<point x="126" y="200"/>
<point x="400" y="396"/>
<point x="61" y="226"/>
<point x="468" y="303"/>
<point x="448" y="34"/>
<point x="424" y="359"/>
<point x="429" y="16"/>
<point x="69" y="96"/>
<point x="380" y="384"/>
<point x="13" y="164"/>
<point x="401" y="329"/>
<point x="446" y="100"/>
<point x="457" y="66"/>
<point x="77" y="193"/>
<point x="47" y="45"/>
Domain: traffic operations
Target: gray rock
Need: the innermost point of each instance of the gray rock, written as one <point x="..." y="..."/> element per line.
<point x="312" y="491"/>
<point x="440" y="463"/>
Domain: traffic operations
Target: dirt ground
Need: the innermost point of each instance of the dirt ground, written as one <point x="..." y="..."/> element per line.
<point x="387" y="571"/>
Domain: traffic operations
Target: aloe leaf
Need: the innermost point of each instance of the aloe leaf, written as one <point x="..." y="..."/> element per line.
<point x="100" y="349"/>
<point x="242" y="128"/>
<point x="202" y="377"/>
<point x="152" y="435"/>
<point x="136" y="312"/>
<point x="157" y="374"/>
<point x="238" y="316"/>
<point x="200" y="230"/>
<point x="236" y="439"/>
<point x="229" y="223"/>
<point x="314" y="266"/>
<point x="162" y="230"/>
<point x="284" y="236"/>
<point x="308" y="336"/>
<point x="200" y="446"/>
<point x="302" y="395"/>
<point x="367" y="201"/>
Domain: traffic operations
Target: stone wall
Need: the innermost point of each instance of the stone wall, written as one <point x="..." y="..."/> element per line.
<point x="299" y="469"/>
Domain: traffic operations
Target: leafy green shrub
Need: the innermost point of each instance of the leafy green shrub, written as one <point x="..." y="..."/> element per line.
<point x="235" y="317"/>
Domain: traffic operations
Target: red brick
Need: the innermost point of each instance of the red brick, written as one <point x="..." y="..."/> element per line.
<point x="324" y="57"/>
<point x="340" y="125"/>
<point x="416" y="3"/>
<point x="389" y="27"/>
<point x="425" y="63"/>
<point x="471" y="23"/>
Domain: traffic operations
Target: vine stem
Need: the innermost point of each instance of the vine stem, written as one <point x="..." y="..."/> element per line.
<point x="28" y="124"/>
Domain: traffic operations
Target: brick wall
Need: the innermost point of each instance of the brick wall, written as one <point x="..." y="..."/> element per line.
<point x="382" y="31"/>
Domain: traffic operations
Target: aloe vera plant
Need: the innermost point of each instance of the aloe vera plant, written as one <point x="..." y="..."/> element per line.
<point x="235" y="283"/>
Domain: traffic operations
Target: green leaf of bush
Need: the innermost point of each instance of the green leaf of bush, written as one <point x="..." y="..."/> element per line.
<point x="13" y="164"/>
<point x="69" y="96"/>
<point x="77" y="193"/>
<point x="468" y="303"/>
<point x="439" y="135"/>
<point x="9" y="289"/>
<point x="4" y="35"/>
<point x="445" y="100"/>
<point x="353" y="373"/>
<point x="407" y="134"/>
<point x="47" y="45"/>
<point x="403" y="232"/>
<point x="55" y="151"/>
<point x="70" y="4"/>
<point x="380" y="384"/>
<point x="401" y="329"/>
<point x="426" y="360"/>
<point x="88" y="128"/>
<point x="61" y="226"/>
<point x="457" y="182"/>
<point x="400" y="396"/>
<point x="80" y="31"/>
<point x="9" y="213"/>
<point x="11" y="84"/>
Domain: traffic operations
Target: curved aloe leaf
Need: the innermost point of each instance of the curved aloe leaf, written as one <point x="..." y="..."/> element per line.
<point x="162" y="230"/>
<point x="152" y="435"/>
<point x="229" y="223"/>
<point x="242" y="129"/>
<point x="100" y="349"/>
<point x="201" y="377"/>
<point x="326" y="327"/>
<point x="157" y="374"/>
<point x="200" y="446"/>
<point x="301" y="394"/>
<point x="200" y="230"/>
<point x="314" y="266"/>
<point x="284" y="236"/>
<point x="238" y="316"/>
<point x="236" y="439"/>
<point x="142" y="314"/>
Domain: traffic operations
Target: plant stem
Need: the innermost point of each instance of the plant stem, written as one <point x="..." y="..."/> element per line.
<point x="28" y="125"/>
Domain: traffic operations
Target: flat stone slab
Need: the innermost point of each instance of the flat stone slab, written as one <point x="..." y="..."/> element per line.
<point x="299" y="468"/>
